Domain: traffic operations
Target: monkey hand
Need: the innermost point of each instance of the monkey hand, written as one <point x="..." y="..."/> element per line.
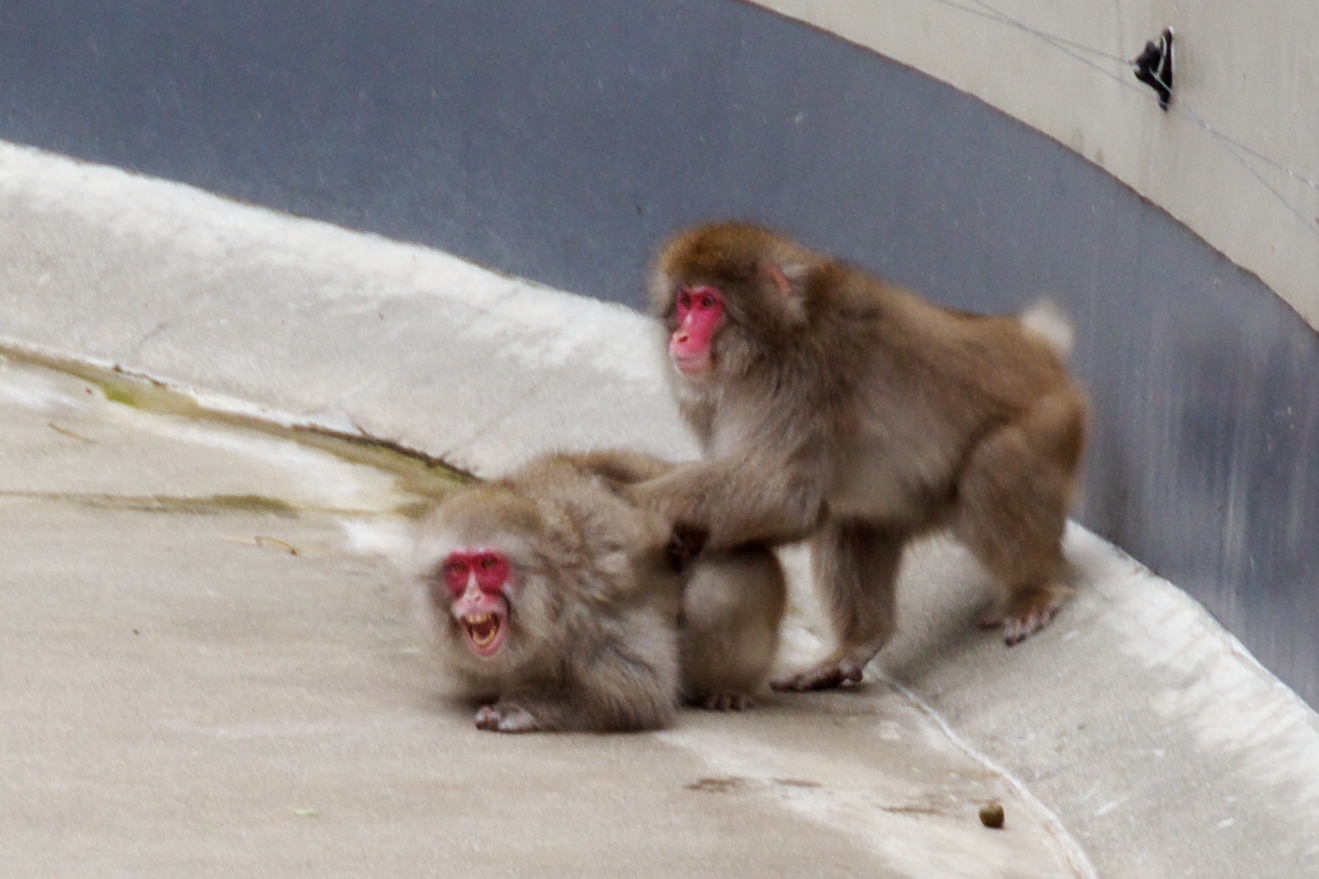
<point x="504" y="717"/>
<point x="685" y="544"/>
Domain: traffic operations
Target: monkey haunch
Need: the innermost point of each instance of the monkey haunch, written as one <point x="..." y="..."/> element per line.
<point x="833" y="405"/>
<point x="561" y="608"/>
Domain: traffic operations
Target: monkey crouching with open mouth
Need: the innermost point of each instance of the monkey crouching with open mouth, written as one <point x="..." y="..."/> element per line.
<point x="560" y="605"/>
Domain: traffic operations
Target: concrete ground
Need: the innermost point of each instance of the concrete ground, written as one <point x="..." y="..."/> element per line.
<point x="211" y="665"/>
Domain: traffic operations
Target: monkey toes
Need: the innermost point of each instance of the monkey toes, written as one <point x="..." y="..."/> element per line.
<point x="504" y="718"/>
<point x="1018" y="629"/>
<point x="825" y="676"/>
<point x="1023" y="616"/>
<point x="728" y="701"/>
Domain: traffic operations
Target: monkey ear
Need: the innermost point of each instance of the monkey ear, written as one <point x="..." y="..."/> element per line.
<point x="788" y="278"/>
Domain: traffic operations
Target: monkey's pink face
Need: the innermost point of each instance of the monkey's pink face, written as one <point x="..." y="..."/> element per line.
<point x="478" y="579"/>
<point x="700" y="313"/>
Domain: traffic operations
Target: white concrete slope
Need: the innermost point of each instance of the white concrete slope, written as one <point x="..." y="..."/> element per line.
<point x="1132" y="738"/>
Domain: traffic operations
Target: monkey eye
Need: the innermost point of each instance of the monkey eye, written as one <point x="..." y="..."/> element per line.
<point x="701" y="298"/>
<point x="490" y="567"/>
<point x="491" y="571"/>
<point x="455" y="571"/>
<point x="705" y="297"/>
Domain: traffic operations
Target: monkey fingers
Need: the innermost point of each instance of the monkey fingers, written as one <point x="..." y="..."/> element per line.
<point x="685" y="544"/>
<point x="503" y="717"/>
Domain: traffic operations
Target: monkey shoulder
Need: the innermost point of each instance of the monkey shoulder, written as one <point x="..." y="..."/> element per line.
<point x="612" y="546"/>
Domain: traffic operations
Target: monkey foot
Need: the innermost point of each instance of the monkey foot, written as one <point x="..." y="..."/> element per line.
<point x="1018" y="629"/>
<point x="505" y="718"/>
<point x="731" y="700"/>
<point x="825" y="676"/>
<point x="1019" y="626"/>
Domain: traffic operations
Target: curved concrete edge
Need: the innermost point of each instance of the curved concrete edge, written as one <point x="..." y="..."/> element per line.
<point x="1154" y="735"/>
<point x="1141" y="724"/>
<point x="349" y="330"/>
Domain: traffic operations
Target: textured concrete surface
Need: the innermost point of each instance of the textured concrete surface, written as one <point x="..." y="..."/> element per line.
<point x="183" y="694"/>
<point x="211" y="668"/>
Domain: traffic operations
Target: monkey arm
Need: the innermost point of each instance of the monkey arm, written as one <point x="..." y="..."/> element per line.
<point x="616" y="670"/>
<point x="619" y="466"/>
<point x="733" y="502"/>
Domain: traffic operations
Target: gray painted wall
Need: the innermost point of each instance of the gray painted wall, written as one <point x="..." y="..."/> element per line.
<point x="560" y="141"/>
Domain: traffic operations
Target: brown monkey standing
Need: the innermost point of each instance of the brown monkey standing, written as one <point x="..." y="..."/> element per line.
<point x="830" y="404"/>
<point x="559" y="605"/>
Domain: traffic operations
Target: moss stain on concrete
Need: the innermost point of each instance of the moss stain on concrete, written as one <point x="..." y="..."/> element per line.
<point x="158" y="503"/>
<point x="424" y="477"/>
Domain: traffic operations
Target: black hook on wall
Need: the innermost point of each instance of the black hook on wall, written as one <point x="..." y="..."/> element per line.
<point x="1154" y="67"/>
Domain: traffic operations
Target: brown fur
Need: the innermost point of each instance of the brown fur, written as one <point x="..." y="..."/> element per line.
<point x="852" y="411"/>
<point x="603" y="635"/>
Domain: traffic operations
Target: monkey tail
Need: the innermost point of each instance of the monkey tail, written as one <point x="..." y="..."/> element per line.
<point x="1046" y="321"/>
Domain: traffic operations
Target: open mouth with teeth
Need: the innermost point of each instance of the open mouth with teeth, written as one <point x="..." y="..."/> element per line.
<point x="485" y="632"/>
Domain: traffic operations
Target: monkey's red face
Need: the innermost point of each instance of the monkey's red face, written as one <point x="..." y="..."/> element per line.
<point x="478" y="580"/>
<point x="700" y="313"/>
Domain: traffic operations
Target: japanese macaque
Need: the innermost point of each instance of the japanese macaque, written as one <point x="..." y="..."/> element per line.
<point x="832" y="405"/>
<point x="562" y="605"/>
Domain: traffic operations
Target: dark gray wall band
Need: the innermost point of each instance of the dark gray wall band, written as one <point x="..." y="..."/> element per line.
<point x="560" y="140"/>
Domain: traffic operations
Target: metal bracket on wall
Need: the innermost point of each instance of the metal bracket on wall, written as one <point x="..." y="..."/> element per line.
<point x="1154" y="67"/>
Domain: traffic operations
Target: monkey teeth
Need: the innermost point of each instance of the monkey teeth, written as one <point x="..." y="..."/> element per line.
<point x="483" y="631"/>
<point x="482" y="628"/>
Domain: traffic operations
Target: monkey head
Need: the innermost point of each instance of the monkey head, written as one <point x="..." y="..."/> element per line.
<point x="728" y="293"/>
<point x="699" y="312"/>
<point x="479" y="580"/>
<point x="485" y="581"/>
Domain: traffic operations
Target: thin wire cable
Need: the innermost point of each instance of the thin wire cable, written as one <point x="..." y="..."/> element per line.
<point x="1186" y="110"/>
<point x="1180" y="106"/>
<point x="1057" y="42"/>
<point x="991" y="12"/>
<point x="1312" y="227"/>
<point x="1238" y="150"/>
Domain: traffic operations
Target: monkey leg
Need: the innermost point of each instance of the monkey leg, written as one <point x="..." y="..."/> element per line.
<point x="855" y="565"/>
<point x="732" y="605"/>
<point x="1013" y="498"/>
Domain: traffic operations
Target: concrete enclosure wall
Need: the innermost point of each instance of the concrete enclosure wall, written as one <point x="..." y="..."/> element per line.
<point x="560" y="141"/>
<point x="1235" y="157"/>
